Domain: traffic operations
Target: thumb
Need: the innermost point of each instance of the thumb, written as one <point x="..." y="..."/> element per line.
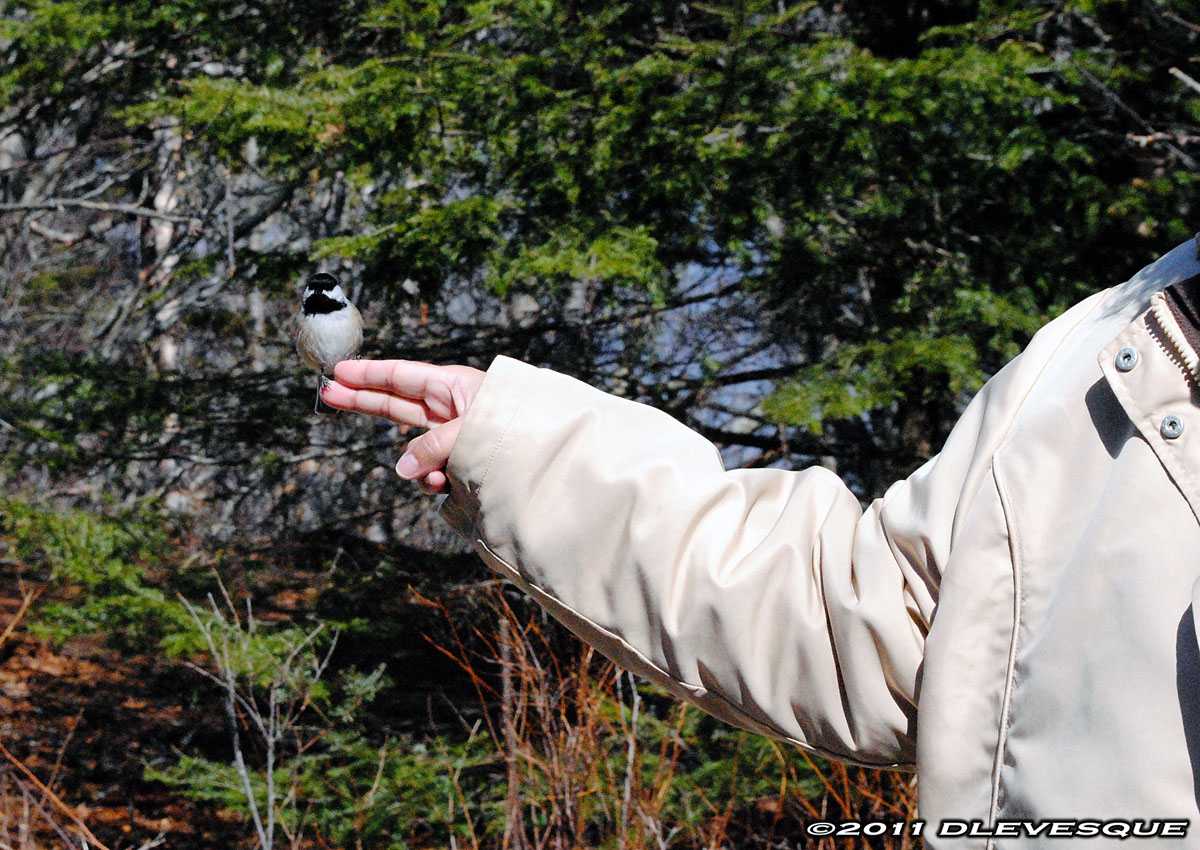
<point x="429" y="451"/>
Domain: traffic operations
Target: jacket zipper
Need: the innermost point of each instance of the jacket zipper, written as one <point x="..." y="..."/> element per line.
<point x="1171" y="337"/>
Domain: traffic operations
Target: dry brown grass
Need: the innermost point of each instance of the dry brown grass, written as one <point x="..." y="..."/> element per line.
<point x="582" y="770"/>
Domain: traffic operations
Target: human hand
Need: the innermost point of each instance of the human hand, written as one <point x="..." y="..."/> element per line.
<point x="410" y="393"/>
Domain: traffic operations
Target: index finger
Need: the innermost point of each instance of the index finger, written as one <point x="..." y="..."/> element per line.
<point x="402" y="411"/>
<point x="404" y="378"/>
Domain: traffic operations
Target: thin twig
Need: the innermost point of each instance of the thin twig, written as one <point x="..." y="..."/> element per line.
<point x="52" y="797"/>
<point x="50" y="233"/>
<point x="1171" y="16"/>
<point x="514" y="827"/>
<point x="16" y="618"/>
<point x="1187" y="160"/>
<point x="1185" y="79"/>
<point x="229" y="682"/>
<point x="100" y="206"/>
<point x="230" y="256"/>
<point x="62" y="751"/>
<point x="630" y="760"/>
<point x="29" y="800"/>
<point x="369" y="800"/>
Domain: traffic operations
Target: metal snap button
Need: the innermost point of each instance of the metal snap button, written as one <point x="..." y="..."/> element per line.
<point x="1171" y="427"/>
<point x="1127" y="358"/>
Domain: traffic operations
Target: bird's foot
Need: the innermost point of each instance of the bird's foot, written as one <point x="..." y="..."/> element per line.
<point x="321" y="385"/>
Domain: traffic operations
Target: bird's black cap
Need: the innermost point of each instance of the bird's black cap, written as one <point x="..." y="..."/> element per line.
<point x="322" y="282"/>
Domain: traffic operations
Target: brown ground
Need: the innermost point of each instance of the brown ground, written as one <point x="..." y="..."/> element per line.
<point x="86" y="721"/>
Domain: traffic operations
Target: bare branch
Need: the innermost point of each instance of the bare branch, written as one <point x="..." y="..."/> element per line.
<point x="52" y="797"/>
<point x="228" y="679"/>
<point x="1171" y="16"/>
<point x="100" y="206"/>
<point x="1187" y="160"/>
<point x="1184" y="78"/>
<point x="62" y="236"/>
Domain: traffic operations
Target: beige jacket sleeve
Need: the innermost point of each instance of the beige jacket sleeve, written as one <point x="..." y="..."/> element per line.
<point x="766" y="597"/>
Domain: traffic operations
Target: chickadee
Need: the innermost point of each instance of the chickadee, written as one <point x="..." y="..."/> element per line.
<point x="330" y="328"/>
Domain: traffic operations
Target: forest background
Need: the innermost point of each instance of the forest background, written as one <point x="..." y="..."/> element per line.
<point x="808" y="230"/>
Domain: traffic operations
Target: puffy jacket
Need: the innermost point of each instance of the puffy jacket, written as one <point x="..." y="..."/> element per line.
<point x="1015" y="618"/>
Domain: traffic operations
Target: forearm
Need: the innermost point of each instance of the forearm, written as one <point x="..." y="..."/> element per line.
<point x="718" y="584"/>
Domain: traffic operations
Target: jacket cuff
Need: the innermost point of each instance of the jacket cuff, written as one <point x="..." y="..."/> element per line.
<point x="484" y="432"/>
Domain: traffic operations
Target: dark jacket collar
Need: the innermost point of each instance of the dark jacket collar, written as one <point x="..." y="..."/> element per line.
<point x="1183" y="298"/>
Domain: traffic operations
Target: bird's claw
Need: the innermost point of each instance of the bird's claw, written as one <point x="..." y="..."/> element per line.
<point x="321" y="385"/>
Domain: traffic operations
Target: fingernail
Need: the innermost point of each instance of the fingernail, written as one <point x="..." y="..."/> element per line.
<point x="407" y="466"/>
